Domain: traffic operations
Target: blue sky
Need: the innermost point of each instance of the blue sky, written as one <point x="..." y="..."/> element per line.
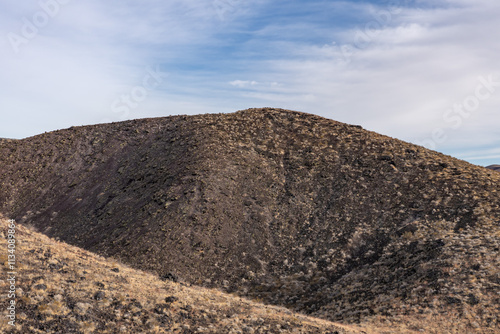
<point x="422" y="71"/>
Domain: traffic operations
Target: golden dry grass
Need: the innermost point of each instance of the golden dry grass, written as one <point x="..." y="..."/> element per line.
<point x="62" y="288"/>
<point x="58" y="284"/>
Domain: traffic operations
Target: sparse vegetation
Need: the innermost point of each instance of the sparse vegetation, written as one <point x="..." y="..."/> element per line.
<point x="64" y="289"/>
<point x="282" y="207"/>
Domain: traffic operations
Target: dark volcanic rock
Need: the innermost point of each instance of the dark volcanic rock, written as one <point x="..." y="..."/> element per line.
<point x="287" y="207"/>
<point x="144" y="304"/>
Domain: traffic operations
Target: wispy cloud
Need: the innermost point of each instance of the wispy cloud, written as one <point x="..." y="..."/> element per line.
<point x="394" y="69"/>
<point x="243" y="83"/>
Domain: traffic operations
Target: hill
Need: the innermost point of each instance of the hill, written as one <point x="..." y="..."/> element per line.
<point x="64" y="289"/>
<point x="284" y="207"/>
<point x="494" y="167"/>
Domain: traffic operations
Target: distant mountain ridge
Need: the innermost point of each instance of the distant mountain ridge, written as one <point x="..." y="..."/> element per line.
<point x="289" y="208"/>
<point x="494" y="167"/>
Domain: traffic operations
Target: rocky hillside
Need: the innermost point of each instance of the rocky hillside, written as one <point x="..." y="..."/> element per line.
<point x="64" y="289"/>
<point x="284" y="207"/>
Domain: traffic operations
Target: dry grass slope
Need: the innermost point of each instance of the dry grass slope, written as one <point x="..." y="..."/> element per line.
<point x="64" y="289"/>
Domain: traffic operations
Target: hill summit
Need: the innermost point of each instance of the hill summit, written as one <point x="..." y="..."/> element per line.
<point x="285" y="207"/>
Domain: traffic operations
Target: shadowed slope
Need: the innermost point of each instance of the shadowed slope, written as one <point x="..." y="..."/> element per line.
<point x="283" y="206"/>
<point x="64" y="289"/>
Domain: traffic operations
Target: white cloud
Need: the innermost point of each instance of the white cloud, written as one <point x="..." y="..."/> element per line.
<point x="243" y="83"/>
<point x="415" y="64"/>
<point x="74" y="66"/>
<point x="262" y="86"/>
<point x="484" y="154"/>
<point x="403" y="80"/>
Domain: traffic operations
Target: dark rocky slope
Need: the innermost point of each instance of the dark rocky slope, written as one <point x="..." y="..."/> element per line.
<point x="66" y="290"/>
<point x="286" y="207"/>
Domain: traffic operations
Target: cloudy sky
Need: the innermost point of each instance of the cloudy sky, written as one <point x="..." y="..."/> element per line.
<point x="426" y="72"/>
